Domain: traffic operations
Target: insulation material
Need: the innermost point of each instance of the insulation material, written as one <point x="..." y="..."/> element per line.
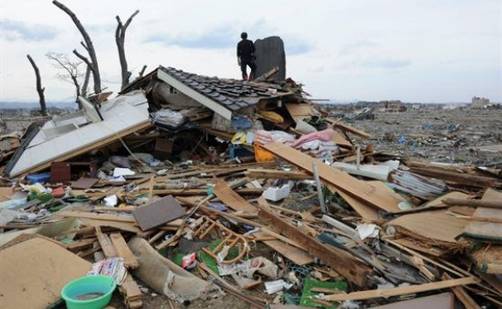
<point x="164" y="276"/>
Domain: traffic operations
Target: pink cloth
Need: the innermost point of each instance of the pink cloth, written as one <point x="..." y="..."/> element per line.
<point x="324" y="135"/>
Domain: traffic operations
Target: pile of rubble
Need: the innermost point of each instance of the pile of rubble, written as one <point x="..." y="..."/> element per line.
<point x="195" y="187"/>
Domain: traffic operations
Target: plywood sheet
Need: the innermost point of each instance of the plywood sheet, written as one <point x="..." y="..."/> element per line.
<point x="434" y="224"/>
<point x="342" y="181"/>
<point x="158" y="212"/>
<point x="35" y="271"/>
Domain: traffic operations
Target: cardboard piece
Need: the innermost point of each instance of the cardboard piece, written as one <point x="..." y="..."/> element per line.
<point x="35" y="271"/>
<point x="158" y="212"/>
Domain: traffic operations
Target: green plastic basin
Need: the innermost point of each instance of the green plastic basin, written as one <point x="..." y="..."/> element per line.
<point x="88" y="292"/>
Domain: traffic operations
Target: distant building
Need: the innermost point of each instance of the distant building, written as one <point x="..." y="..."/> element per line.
<point x="480" y="102"/>
<point x="392" y="106"/>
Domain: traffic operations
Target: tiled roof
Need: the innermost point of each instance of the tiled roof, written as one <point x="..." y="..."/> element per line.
<point x="232" y="93"/>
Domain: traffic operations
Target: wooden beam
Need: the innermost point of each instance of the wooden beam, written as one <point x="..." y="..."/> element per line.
<point x="360" y="295"/>
<point x="341" y="261"/>
<point x="340" y="180"/>
<point x="233" y="200"/>
<point x="105" y="243"/>
<point x="472" y="203"/>
<point x="123" y="250"/>
<point x="277" y="174"/>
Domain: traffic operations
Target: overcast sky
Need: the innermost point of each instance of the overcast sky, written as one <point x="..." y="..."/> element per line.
<point x="416" y="51"/>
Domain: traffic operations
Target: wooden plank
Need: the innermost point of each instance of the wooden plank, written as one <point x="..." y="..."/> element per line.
<point x="297" y="256"/>
<point x="230" y="198"/>
<point x="341" y="261"/>
<point x="190" y="192"/>
<point x="473" y="203"/>
<point x="342" y="181"/>
<point x="123" y="250"/>
<point x="105" y="243"/>
<point x="123" y="226"/>
<point x="277" y="174"/>
<point x="368" y="213"/>
<point x="345" y="127"/>
<point x="95" y="216"/>
<point x="461" y="178"/>
<point x="412" y="289"/>
<point x="465" y="298"/>
<point x="131" y="292"/>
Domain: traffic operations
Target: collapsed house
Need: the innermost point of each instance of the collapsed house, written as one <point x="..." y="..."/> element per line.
<point x="185" y="174"/>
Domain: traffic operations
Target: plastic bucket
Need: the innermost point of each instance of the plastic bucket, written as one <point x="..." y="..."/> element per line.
<point x="88" y="292"/>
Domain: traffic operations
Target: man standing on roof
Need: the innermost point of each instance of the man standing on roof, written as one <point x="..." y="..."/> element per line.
<point x="246" y="57"/>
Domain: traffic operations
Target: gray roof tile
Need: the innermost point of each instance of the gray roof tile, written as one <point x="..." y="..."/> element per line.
<point x="227" y="92"/>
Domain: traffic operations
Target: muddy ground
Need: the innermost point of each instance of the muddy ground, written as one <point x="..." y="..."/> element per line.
<point x="450" y="136"/>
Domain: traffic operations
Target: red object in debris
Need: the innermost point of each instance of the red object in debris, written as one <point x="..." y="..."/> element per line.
<point x="58" y="192"/>
<point x="189" y="261"/>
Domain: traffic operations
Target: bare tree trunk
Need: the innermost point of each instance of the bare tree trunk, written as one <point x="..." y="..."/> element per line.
<point x="77" y="91"/>
<point x="40" y="89"/>
<point x="85" y="84"/>
<point x="93" y="62"/>
<point x="120" y="40"/>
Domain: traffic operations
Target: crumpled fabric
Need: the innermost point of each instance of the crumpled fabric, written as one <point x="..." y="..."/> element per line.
<point x="263" y="137"/>
<point x="324" y="135"/>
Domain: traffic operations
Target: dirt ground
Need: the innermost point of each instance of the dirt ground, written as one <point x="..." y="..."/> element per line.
<point x="450" y="136"/>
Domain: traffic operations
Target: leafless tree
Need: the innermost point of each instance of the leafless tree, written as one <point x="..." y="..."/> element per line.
<point x="92" y="61"/>
<point x="85" y="84"/>
<point x="120" y="40"/>
<point x="69" y="71"/>
<point x="40" y="89"/>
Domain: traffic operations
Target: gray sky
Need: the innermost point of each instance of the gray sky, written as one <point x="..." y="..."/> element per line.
<point x="422" y="50"/>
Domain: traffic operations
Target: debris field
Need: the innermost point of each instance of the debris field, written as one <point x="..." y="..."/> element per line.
<point x="190" y="190"/>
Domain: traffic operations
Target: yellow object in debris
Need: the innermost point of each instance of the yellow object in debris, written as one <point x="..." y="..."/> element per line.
<point x="271" y="116"/>
<point x="239" y="138"/>
<point x="262" y="155"/>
